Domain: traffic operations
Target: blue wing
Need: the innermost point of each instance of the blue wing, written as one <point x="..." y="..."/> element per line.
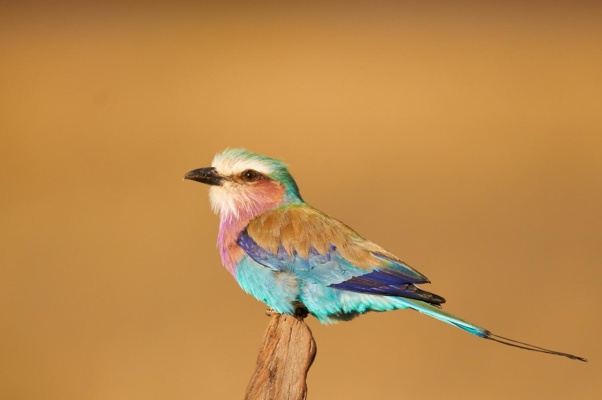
<point x="370" y="273"/>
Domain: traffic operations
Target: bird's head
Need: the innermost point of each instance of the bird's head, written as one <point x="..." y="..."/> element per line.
<point x="246" y="184"/>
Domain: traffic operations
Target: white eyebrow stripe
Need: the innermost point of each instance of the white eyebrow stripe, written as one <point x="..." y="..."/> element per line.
<point x="229" y="166"/>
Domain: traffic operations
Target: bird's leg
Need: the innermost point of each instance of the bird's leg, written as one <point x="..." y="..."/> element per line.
<point x="300" y="310"/>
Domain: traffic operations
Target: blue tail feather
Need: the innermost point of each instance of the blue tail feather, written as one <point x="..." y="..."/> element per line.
<point x="437" y="313"/>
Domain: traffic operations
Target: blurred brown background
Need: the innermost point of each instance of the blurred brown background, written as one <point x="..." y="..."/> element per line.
<point x="467" y="139"/>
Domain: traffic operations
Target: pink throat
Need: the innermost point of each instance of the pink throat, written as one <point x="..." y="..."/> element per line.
<point x="232" y="224"/>
<point x="231" y="253"/>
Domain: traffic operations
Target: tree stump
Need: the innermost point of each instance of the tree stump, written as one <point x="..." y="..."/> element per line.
<point x="284" y="359"/>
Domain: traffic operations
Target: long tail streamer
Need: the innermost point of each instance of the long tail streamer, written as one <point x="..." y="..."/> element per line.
<point x="527" y="346"/>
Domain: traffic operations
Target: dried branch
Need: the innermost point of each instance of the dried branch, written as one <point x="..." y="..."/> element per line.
<point x="284" y="359"/>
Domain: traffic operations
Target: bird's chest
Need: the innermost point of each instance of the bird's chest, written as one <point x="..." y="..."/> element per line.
<point x="231" y="253"/>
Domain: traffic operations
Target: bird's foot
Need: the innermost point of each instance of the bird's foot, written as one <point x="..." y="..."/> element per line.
<point x="270" y="311"/>
<point x="301" y="312"/>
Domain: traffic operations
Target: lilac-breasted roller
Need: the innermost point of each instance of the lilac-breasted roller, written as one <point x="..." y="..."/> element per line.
<point x="292" y="256"/>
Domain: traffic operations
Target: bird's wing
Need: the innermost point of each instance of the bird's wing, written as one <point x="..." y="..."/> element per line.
<point x="307" y="242"/>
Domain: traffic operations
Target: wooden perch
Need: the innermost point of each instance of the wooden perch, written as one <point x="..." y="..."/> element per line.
<point x="284" y="359"/>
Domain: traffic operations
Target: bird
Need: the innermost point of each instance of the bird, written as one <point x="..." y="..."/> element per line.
<point x="299" y="261"/>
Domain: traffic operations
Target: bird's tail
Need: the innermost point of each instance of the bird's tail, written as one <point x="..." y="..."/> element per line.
<point x="437" y="313"/>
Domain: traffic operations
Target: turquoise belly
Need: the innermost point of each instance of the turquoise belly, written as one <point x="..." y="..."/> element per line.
<point x="277" y="289"/>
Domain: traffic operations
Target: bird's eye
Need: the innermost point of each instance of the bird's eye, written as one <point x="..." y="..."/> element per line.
<point x="250" y="175"/>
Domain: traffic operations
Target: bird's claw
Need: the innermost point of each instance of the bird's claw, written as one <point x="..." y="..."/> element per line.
<point x="301" y="312"/>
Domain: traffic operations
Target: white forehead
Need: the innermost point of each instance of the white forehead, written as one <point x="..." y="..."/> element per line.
<point x="234" y="163"/>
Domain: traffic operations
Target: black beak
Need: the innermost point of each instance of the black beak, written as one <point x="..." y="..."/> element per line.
<point x="205" y="175"/>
